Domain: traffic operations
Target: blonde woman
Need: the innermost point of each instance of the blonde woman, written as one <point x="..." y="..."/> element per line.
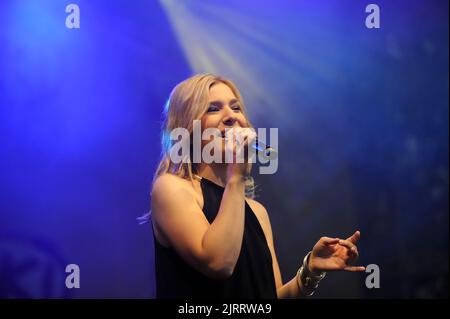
<point x="212" y="240"/>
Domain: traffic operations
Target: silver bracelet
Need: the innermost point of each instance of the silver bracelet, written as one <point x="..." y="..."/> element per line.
<point x="306" y="280"/>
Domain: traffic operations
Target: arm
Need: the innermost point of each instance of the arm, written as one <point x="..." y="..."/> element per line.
<point x="291" y="288"/>
<point x="212" y="249"/>
<point x="328" y="254"/>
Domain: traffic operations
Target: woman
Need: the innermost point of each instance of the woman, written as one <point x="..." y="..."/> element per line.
<point x="212" y="240"/>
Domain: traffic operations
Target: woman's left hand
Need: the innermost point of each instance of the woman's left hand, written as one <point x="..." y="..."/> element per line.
<point x="331" y="254"/>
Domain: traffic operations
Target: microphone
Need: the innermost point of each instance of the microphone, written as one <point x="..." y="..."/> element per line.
<point x="266" y="150"/>
<point x="263" y="149"/>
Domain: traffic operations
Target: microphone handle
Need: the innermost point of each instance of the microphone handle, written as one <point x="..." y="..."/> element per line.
<point x="266" y="150"/>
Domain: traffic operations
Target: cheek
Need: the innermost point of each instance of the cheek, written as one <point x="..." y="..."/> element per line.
<point x="243" y="121"/>
<point x="208" y="121"/>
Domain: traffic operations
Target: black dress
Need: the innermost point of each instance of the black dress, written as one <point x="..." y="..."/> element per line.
<point x="252" y="276"/>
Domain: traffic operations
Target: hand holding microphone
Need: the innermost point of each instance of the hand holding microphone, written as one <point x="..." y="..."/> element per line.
<point x="249" y="137"/>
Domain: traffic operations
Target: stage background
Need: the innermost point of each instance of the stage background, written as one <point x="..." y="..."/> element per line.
<point x="363" y="134"/>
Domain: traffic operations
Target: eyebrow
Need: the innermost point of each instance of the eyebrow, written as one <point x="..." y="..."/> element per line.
<point x="232" y="101"/>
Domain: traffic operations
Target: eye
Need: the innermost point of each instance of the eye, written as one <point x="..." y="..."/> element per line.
<point x="212" y="108"/>
<point x="236" y="107"/>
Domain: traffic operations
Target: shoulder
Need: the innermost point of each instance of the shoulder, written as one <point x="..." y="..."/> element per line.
<point x="169" y="189"/>
<point x="263" y="218"/>
<point x="254" y="204"/>
<point x="166" y="184"/>
<point x="260" y="212"/>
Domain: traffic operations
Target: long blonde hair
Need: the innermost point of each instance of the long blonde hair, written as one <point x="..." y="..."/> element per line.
<point x="187" y="102"/>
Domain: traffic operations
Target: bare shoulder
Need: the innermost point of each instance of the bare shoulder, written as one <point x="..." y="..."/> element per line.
<point x="169" y="188"/>
<point x="168" y="184"/>
<point x="260" y="211"/>
<point x="172" y="197"/>
<point x="165" y="182"/>
<point x="255" y="205"/>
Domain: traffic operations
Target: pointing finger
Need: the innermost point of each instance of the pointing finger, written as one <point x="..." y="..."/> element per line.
<point x="355" y="237"/>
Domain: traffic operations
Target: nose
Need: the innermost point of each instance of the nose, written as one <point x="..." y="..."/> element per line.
<point x="229" y="118"/>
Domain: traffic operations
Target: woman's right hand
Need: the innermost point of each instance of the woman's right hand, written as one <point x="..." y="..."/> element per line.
<point x="237" y="141"/>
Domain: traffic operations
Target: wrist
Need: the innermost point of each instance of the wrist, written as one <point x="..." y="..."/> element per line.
<point x="236" y="180"/>
<point x="311" y="267"/>
<point x="308" y="281"/>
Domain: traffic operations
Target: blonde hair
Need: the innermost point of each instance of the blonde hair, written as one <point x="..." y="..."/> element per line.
<point x="187" y="102"/>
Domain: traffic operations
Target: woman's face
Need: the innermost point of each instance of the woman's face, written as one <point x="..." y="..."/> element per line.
<point x="224" y="110"/>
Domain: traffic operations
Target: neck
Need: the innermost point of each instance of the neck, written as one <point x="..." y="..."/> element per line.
<point x="215" y="172"/>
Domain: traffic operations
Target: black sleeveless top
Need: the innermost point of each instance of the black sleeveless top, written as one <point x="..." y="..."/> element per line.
<point x="253" y="273"/>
